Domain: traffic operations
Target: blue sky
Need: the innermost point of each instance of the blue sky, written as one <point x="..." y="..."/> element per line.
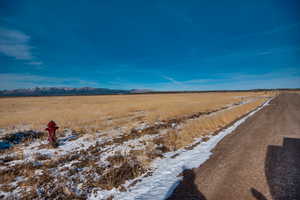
<point x="159" y="45"/>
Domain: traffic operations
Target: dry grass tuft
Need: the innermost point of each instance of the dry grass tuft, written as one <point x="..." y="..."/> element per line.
<point x="9" y="174"/>
<point x="10" y="158"/>
<point x="39" y="156"/>
<point x="115" y="177"/>
<point x="7" y="188"/>
<point x="116" y="159"/>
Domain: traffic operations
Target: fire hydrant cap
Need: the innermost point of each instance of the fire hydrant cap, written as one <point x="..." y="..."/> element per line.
<point x="51" y="124"/>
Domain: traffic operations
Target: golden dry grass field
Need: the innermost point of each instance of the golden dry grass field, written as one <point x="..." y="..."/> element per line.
<point x="93" y="113"/>
<point x="112" y="139"/>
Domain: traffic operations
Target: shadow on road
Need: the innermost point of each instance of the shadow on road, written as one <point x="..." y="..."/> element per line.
<point x="282" y="169"/>
<point x="187" y="189"/>
<point x="257" y="194"/>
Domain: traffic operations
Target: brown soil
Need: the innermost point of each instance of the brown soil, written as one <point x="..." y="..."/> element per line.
<point x="260" y="160"/>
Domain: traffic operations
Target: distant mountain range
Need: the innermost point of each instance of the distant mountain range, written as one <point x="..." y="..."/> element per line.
<point x="65" y="91"/>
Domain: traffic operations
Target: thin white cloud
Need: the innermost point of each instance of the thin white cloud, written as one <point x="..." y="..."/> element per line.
<point x="264" y="53"/>
<point x="14" y="81"/>
<point x="35" y="63"/>
<point x="289" y="78"/>
<point x="188" y="82"/>
<point x="278" y="82"/>
<point x="16" y="44"/>
<point x="172" y="80"/>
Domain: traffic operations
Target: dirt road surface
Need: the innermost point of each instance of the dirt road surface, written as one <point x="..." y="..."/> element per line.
<point x="260" y="160"/>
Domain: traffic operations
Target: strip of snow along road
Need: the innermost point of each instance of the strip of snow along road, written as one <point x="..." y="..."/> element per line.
<point x="164" y="178"/>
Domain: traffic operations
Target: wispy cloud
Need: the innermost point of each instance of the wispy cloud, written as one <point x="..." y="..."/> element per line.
<point x="187" y="82"/>
<point x="172" y="80"/>
<point x="16" y="44"/>
<point x="14" y="81"/>
<point x="290" y="78"/>
<point x="35" y="63"/>
<point x="237" y="84"/>
<point x="264" y="53"/>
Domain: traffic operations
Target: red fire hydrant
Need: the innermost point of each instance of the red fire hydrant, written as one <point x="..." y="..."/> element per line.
<point x="51" y="128"/>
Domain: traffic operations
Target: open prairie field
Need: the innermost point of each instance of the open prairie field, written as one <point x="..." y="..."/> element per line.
<point x="101" y="112"/>
<point x="108" y="145"/>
